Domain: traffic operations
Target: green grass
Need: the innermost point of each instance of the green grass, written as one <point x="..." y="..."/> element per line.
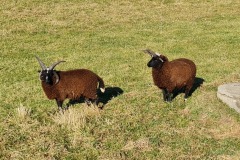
<point x="107" y="37"/>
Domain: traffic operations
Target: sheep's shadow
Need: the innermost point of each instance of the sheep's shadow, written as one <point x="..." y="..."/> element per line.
<point x="103" y="98"/>
<point x="197" y="83"/>
<point x="110" y="92"/>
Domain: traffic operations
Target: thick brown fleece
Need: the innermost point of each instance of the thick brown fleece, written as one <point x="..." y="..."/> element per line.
<point x="174" y="74"/>
<point x="73" y="84"/>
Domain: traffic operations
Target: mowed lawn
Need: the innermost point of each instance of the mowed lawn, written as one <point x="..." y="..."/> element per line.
<point x="107" y="37"/>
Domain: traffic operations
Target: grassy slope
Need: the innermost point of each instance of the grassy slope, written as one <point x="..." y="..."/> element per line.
<point x="107" y="37"/>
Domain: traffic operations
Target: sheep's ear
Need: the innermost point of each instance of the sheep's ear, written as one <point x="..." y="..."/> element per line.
<point x="164" y="58"/>
<point x="57" y="76"/>
<point x="39" y="71"/>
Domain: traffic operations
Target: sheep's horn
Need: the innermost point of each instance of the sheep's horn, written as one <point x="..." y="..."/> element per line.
<point x="150" y="52"/>
<point x="41" y="63"/>
<point x="57" y="77"/>
<point x="54" y="65"/>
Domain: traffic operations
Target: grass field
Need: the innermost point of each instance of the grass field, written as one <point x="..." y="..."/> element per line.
<point x="107" y="37"/>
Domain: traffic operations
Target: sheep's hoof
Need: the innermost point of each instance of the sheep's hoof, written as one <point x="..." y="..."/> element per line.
<point x="168" y="101"/>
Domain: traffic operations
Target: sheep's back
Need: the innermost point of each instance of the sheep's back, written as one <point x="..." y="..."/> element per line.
<point x="77" y="82"/>
<point x="182" y="70"/>
<point x="190" y="63"/>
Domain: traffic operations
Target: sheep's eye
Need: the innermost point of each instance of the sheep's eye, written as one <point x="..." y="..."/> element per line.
<point x="42" y="77"/>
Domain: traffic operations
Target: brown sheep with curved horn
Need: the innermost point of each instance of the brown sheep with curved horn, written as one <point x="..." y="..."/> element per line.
<point x="171" y="75"/>
<point x="72" y="84"/>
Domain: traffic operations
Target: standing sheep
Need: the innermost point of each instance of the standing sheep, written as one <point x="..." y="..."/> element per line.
<point x="72" y="84"/>
<point x="171" y="76"/>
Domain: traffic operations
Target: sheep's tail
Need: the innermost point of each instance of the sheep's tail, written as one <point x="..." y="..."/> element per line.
<point x="101" y="85"/>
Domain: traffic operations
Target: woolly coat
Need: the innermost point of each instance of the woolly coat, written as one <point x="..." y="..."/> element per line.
<point x="174" y="74"/>
<point x="73" y="84"/>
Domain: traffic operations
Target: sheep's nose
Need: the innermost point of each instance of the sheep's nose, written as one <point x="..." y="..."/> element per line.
<point x="148" y="65"/>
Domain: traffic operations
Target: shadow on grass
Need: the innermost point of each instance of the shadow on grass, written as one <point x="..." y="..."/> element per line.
<point x="197" y="83"/>
<point x="110" y="92"/>
<point x="104" y="98"/>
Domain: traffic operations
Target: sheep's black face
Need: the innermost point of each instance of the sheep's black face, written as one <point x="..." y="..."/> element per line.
<point x="47" y="76"/>
<point x="155" y="62"/>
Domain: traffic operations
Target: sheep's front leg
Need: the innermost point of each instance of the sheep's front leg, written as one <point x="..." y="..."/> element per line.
<point x="59" y="103"/>
<point x="165" y="98"/>
<point x="88" y="101"/>
<point x="169" y="95"/>
<point x="187" y="91"/>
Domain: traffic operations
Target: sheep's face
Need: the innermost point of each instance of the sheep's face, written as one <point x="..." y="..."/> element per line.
<point x="47" y="76"/>
<point x="155" y="62"/>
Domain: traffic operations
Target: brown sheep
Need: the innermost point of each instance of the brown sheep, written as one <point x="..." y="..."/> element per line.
<point x="172" y="76"/>
<point x="72" y="84"/>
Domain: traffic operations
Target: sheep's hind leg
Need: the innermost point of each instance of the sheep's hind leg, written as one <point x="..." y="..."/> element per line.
<point x="187" y="91"/>
<point x="186" y="94"/>
<point x="94" y="102"/>
<point x="169" y="97"/>
<point x="88" y="101"/>
<point x="71" y="102"/>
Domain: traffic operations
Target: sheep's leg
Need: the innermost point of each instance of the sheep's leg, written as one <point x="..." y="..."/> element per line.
<point x="165" y="97"/>
<point x="88" y="101"/>
<point x="68" y="105"/>
<point x="169" y="97"/>
<point x="187" y="90"/>
<point x="95" y="102"/>
<point x="59" y="103"/>
<point x="91" y="98"/>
